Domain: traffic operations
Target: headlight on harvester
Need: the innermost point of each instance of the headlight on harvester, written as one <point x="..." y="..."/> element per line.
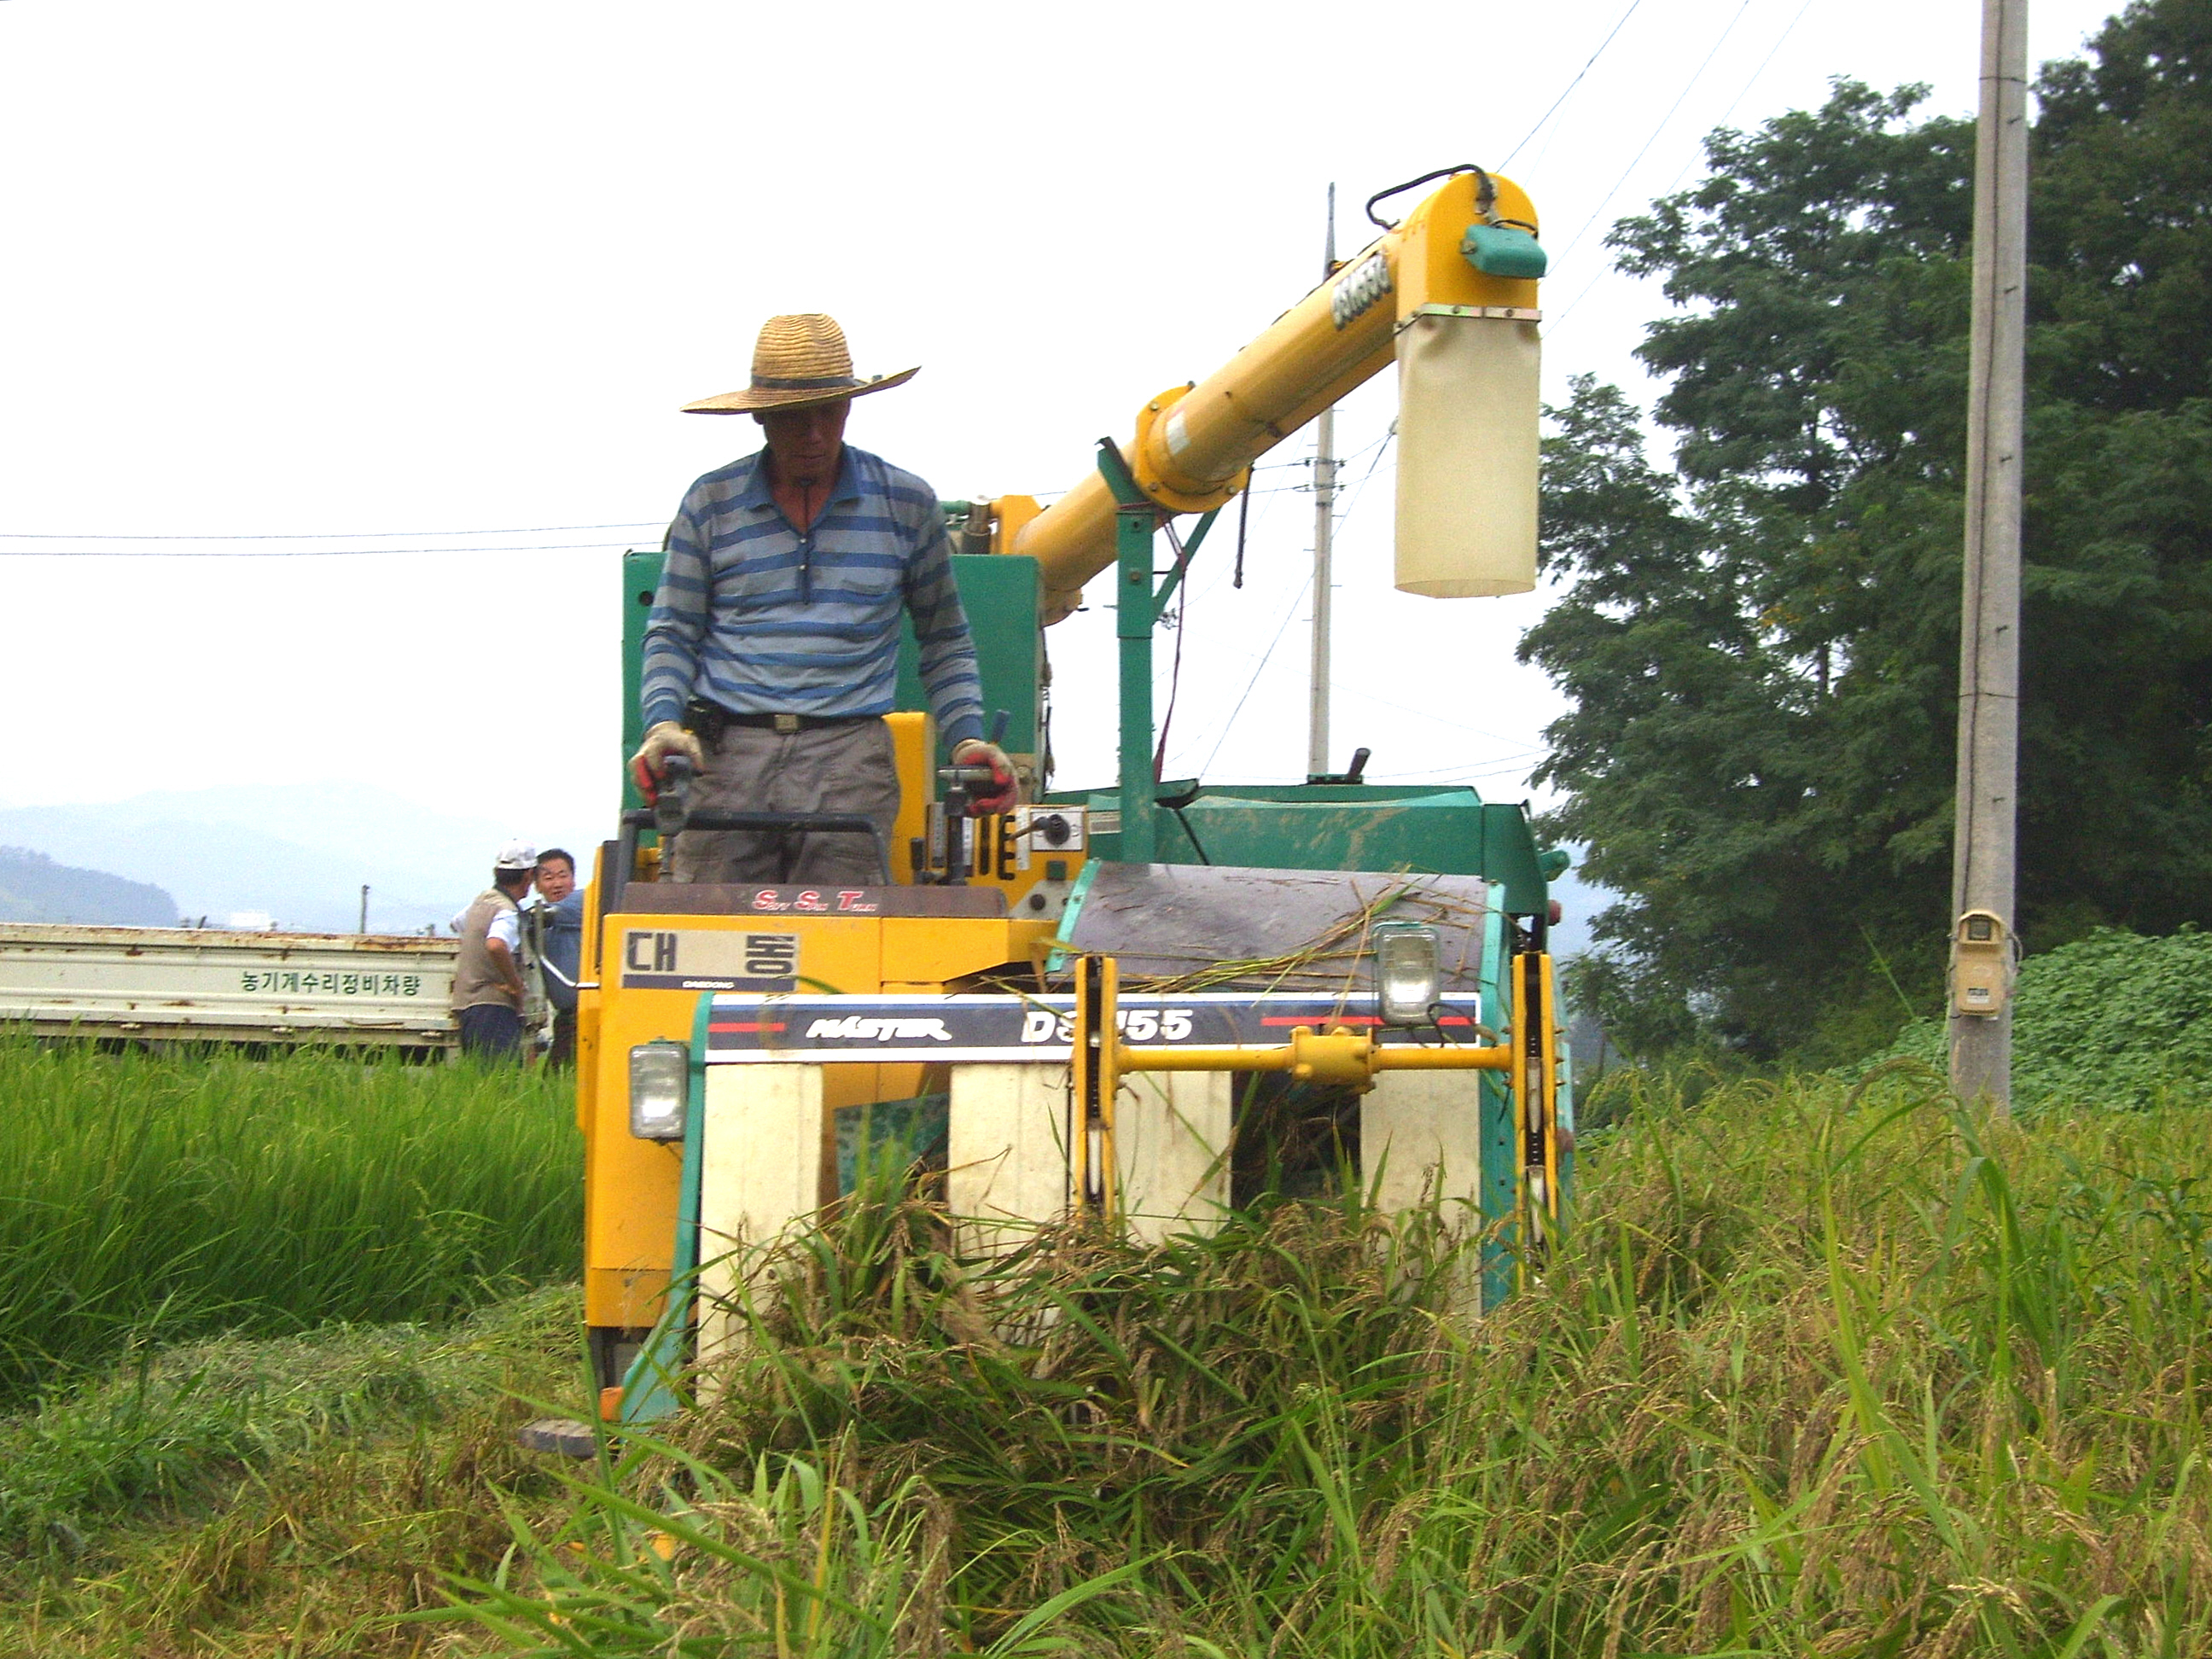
<point x="1408" y="977"/>
<point x="659" y="1081"/>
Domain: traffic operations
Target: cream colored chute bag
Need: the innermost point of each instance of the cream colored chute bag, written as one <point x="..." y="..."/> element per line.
<point x="1466" y="456"/>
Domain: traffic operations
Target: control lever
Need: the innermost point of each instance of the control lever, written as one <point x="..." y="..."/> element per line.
<point x="963" y="786"/>
<point x="970" y="782"/>
<point x="958" y="781"/>
<point x="671" y="805"/>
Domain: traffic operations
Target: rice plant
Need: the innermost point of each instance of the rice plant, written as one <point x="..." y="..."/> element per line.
<point x="1820" y="1371"/>
<point x="146" y="1198"/>
<point x="281" y="1496"/>
<point x="166" y="1436"/>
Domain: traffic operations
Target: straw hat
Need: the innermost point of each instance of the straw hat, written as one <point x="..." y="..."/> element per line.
<point x="797" y="360"/>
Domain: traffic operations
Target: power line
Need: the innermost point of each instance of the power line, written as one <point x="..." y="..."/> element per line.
<point x="1636" y="161"/>
<point x="1360" y="488"/>
<point x="1462" y="769"/>
<point x="1341" y="460"/>
<point x="654" y="525"/>
<point x="1742" y="93"/>
<point x="296" y="552"/>
<point x="1571" y="85"/>
<point x="1456" y="773"/>
<point x="1229" y="724"/>
<point x="1388" y="432"/>
<point x="1430" y="714"/>
<point x="320" y="535"/>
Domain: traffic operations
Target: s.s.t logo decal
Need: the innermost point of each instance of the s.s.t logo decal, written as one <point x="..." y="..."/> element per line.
<point x="816" y="901"/>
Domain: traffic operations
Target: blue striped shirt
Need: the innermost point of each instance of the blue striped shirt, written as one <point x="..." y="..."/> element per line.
<point x="763" y="620"/>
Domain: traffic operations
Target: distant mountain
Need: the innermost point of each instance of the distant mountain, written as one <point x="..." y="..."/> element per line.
<point x="33" y="887"/>
<point x="301" y="854"/>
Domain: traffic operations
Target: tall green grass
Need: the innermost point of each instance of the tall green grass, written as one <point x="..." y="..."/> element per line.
<point x="1820" y="1372"/>
<point x="147" y="1199"/>
<point x="275" y="1498"/>
<point x="166" y="1437"/>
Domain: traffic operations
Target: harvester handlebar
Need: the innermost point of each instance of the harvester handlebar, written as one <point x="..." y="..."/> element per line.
<point x="974" y="780"/>
<point x="832" y="823"/>
<point x="785" y="824"/>
<point x="672" y="801"/>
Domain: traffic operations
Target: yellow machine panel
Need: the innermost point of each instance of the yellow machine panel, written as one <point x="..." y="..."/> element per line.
<point x="650" y="967"/>
<point x="913" y="742"/>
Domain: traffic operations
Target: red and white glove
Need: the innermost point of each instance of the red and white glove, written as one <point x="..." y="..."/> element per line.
<point x="977" y="752"/>
<point x="666" y="738"/>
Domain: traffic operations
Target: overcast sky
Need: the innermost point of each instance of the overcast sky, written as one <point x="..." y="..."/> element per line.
<point x="394" y="273"/>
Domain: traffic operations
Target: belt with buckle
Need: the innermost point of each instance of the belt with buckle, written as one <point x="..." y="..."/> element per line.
<point x="790" y="723"/>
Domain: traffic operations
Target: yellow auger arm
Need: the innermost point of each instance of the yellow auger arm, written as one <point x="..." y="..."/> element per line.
<point x="1449" y="295"/>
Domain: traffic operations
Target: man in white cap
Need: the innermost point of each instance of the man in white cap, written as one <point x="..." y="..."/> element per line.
<point x="487" y="987"/>
<point x="771" y="655"/>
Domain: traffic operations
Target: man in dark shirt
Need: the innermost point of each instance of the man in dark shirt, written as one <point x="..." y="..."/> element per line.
<point x="558" y="927"/>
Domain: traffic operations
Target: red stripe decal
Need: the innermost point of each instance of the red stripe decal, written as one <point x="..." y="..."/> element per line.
<point x="1346" y="1019"/>
<point x="746" y="1025"/>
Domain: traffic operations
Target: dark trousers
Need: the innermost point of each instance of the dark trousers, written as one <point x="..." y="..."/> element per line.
<point x="562" y="1052"/>
<point x="491" y="1031"/>
<point x="832" y="768"/>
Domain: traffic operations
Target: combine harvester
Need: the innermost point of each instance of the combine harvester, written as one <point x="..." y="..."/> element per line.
<point x="1069" y="994"/>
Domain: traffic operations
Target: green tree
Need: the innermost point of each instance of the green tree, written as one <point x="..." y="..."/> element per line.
<point x="1760" y="642"/>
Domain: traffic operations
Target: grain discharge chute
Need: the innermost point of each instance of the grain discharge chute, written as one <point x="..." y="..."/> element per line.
<point x="1115" y="999"/>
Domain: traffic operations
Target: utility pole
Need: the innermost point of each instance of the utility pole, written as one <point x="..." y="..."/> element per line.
<point x="1324" y="522"/>
<point x="364" y="909"/>
<point x="1982" y="855"/>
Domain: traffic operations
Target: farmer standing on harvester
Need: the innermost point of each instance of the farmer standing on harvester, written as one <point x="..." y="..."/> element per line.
<point x="771" y="655"/>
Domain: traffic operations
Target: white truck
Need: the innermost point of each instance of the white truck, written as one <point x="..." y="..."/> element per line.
<point x="210" y="984"/>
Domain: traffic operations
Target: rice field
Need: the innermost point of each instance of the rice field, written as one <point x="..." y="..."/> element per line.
<point x="1824" y="1370"/>
<point x="149" y="1198"/>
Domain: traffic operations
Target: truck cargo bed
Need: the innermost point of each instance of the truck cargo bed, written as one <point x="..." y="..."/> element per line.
<point x="209" y="984"/>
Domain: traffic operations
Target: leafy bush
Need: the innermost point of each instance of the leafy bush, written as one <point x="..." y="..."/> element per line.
<point x="2114" y="1020"/>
